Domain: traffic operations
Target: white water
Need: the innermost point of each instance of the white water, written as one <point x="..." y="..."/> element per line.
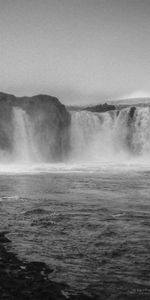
<point x="91" y="137"/>
<point x="99" y="141"/>
<point x="111" y="137"/>
<point x="25" y="148"/>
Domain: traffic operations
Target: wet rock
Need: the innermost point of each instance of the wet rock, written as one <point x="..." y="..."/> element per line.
<point x="21" y="280"/>
<point x="3" y="238"/>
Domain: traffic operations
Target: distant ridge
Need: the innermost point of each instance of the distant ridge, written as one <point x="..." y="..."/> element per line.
<point x="131" y="101"/>
<point x="93" y="108"/>
<point x="112" y="105"/>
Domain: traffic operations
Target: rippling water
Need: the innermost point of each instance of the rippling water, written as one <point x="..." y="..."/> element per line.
<point x="91" y="226"/>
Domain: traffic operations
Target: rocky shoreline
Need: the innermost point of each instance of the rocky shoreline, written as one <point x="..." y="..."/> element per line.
<point x="21" y="280"/>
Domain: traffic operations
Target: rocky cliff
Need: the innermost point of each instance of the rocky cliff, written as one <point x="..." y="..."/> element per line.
<point x="50" y="123"/>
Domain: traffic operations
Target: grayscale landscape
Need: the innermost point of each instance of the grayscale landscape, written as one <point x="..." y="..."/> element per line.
<point x="75" y="150"/>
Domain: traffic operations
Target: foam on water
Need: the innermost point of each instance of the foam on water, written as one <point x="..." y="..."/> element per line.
<point x="108" y="167"/>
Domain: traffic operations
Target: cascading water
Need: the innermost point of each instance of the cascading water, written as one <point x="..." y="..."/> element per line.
<point x="110" y="136"/>
<point x="25" y="148"/>
<point x="91" y="136"/>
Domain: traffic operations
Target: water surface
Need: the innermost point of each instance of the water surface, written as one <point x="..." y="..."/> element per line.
<point x="91" y="226"/>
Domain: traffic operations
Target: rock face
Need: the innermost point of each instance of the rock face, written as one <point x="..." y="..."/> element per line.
<point x="49" y="118"/>
<point x="93" y="108"/>
<point x="101" y="108"/>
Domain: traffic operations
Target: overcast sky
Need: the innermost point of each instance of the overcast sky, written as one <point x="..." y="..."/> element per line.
<point x="78" y="50"/>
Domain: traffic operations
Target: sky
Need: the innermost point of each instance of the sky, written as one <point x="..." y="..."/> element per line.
<point x="81" y="51"/>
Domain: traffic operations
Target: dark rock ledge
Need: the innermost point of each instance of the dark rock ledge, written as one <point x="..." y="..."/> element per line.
<point x="21" y="280"/>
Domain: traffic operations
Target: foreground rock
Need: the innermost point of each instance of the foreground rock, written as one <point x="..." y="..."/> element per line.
<point x="21" y="280"/>
<point x="25" y="281"/>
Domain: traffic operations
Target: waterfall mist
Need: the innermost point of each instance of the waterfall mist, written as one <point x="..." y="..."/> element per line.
<point x="94" y="139"/>
<point x="25" y="147"/>
<point x="29" y="144"/>
<point x="116" y="136"/>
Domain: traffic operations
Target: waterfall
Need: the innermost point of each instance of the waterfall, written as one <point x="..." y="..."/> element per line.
<point x="94" y="137"/>
<point x="110" y="136"/>
<point x="90" y="135"/>
<point x="25" y="149"/>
